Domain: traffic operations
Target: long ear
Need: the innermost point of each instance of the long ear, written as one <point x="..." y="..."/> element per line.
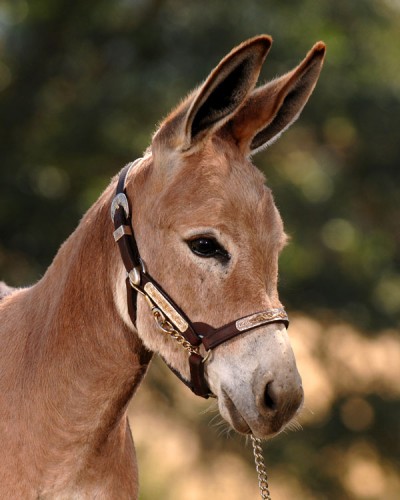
<point x="272" y="108"/>
<point x="219" y="98"/>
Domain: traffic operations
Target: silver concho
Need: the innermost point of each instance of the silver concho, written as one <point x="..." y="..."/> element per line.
<point x="120" y="200"/>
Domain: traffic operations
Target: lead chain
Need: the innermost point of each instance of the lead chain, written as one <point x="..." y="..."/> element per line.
<point x="260" y="468"/>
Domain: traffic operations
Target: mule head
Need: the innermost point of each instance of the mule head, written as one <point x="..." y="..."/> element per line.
<point x="210" y="233"/>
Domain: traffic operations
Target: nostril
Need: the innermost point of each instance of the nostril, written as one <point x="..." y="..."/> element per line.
<point x="269" y="397"/>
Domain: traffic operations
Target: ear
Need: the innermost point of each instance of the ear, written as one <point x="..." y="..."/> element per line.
<point x="218" y="99"/>
<point x="272" y="108"/>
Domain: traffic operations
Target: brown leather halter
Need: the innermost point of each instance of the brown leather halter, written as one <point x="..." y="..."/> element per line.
<point x="189" y="334"/>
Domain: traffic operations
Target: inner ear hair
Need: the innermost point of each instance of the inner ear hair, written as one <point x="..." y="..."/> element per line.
<point x="224" y="99"/>
<point x="225" y="90"/>
<point x="273" y="107"/>
<point x="288" y="112"/>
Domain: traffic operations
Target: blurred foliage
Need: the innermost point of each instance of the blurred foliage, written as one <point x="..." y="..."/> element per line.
<point x="82" y="86"/>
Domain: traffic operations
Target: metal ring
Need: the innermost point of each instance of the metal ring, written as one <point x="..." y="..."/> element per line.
<point x="208" y="354"/>
<point x="134" y="276"/>
<point x="161" y="320"/>
<point x="143" y="266"/>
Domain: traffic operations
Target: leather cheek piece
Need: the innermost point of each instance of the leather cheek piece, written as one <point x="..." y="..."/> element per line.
<point x="198" y="380"/>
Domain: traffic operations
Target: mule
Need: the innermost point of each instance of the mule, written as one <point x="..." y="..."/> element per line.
<point x="209" y="232"/>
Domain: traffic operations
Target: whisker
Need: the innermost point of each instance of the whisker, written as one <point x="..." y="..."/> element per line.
<point x="212" y="408"/>
<point x="225" y="431"/>
<point x="305" y="409"/>
<point x="294" y="426"/>
<point x="215" y="420"/>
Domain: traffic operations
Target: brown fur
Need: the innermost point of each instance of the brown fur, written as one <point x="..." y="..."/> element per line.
<point x="70" y="360"/>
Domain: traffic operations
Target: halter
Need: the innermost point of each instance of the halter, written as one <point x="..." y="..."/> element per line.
<point x="168" y="316"/>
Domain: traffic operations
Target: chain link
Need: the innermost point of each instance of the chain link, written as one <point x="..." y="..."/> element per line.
<point x="170" y="330"/>
<point x="260" y="468"/>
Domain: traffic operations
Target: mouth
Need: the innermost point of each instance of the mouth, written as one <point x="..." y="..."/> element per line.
<point x="236" y="420"/>
<point x="263" y="428"/>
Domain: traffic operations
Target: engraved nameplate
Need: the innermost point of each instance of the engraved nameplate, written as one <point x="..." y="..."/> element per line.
<point x="261" y="318"/>
<point x="166" y="307"/>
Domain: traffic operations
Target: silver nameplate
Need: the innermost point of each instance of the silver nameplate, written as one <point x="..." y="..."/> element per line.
<point x="261" y="318"/>
<point x="158" y="298"/>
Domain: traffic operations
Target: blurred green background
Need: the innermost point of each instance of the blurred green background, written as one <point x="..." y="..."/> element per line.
<point x="82" y="87"/>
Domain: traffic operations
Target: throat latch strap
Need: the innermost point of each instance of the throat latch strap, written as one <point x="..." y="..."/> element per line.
<point x="167" y="314"/>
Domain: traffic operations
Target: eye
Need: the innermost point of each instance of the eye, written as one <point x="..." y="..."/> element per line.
<point x="208" y="247"/>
